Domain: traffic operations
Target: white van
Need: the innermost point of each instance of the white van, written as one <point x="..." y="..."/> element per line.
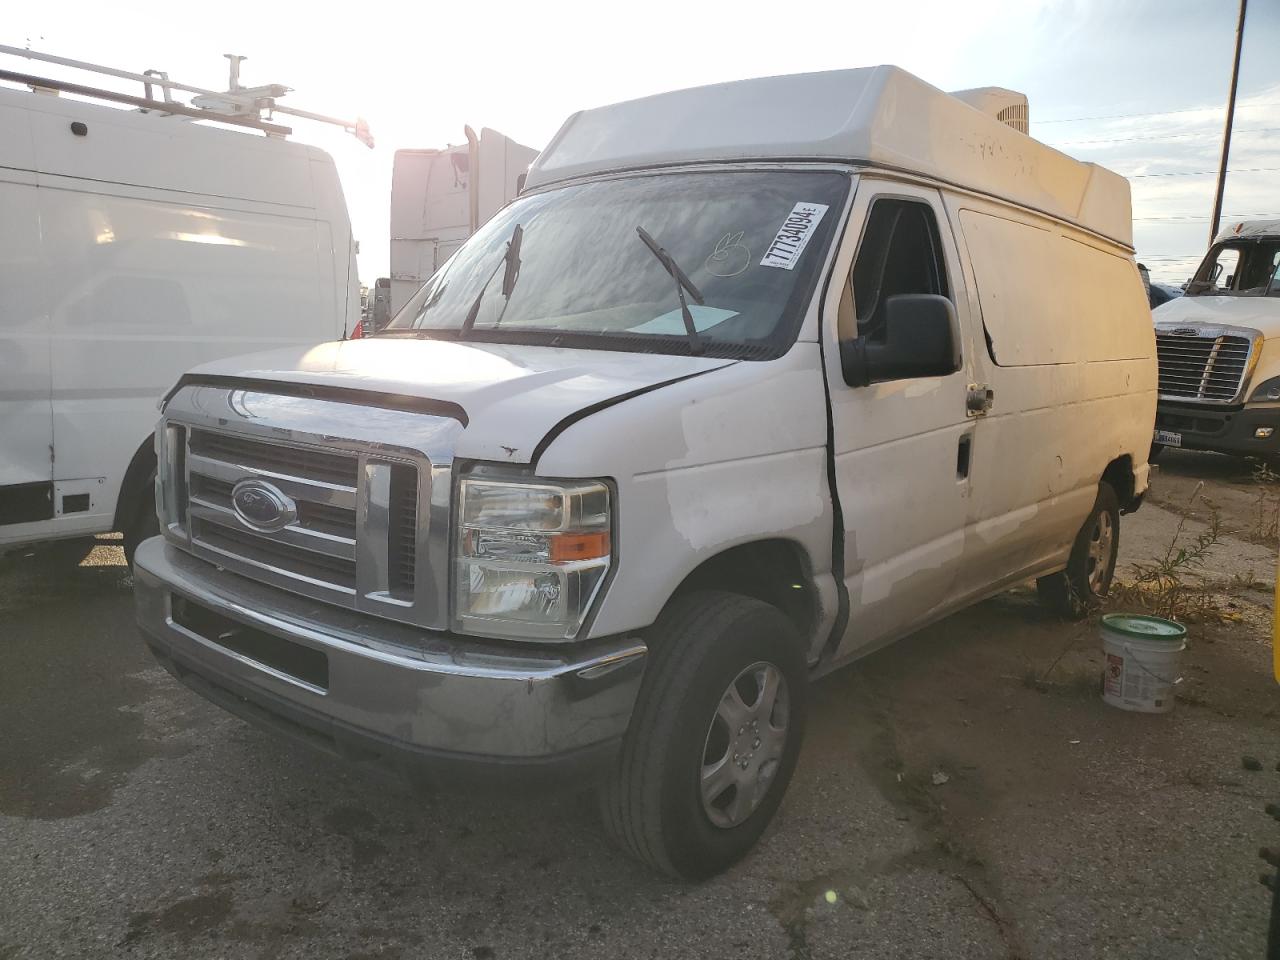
<point x="1219" y="349"/>
<point x="132" y="247"/>
<point x="752" y="379"/>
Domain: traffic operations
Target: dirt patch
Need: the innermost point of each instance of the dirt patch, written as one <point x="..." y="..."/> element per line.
<point x="77" y="715"/>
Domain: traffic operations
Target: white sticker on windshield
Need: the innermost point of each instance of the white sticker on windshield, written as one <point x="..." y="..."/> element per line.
<point x="794" y="235"/>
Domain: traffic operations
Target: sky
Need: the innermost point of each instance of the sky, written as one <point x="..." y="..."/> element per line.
<point x="1139" y="86"/>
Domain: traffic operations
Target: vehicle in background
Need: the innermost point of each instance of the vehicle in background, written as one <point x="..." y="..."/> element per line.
<point x="1161" y="293"/>
<point x="133" y="245"/>
<point x="379" y="304"/>
<point x="441" y="197"/>
<point x="1219" y="347"/>
<point x="1158" y="294"/>
<point x="751" y="380"/>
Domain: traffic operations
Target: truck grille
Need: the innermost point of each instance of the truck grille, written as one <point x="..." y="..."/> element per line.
<point x="347" y="504"/>
<point x="1209" y="368"/>
<point x="318" y="548"/>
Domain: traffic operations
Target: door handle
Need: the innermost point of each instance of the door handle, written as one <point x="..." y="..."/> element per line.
<point x="963" y="456"/>
<point x="978" y="400"/>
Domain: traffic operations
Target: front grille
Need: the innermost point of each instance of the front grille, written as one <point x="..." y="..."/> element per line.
<point x="341" y="468"/>
<point x="1202" y="367"/>
<point x="317" y="550"/>
<point x="338" y="502"/>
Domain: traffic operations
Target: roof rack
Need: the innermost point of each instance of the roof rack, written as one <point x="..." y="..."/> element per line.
<point x="238" y="105"/>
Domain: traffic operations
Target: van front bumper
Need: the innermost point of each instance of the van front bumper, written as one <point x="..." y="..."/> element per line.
<point x="1223" y="429"/>
<point x="369" y="689"/>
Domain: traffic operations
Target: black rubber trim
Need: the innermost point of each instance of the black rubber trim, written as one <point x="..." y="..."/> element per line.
<point x="587" y="411"/>
<point x="340" y="739"/>
<point x="837" y="512"/>
<point x="365" y="398"/>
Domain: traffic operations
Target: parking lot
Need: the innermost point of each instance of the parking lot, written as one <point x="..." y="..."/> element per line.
<point x="964" y="793"/>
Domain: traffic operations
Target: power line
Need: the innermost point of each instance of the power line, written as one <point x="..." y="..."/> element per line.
<point x="1159" y="113"/>
<point x="1189" y="218"/>
<point x="1202" y="173"/>
<point x="1166" y="136"/>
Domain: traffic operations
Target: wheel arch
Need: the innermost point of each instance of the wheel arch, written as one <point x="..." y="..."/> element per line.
<point x="136" y="483"/>
<point x="776" y="571"/>
<point x="1119" y="476"/>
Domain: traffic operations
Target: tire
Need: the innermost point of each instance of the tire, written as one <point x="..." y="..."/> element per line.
<point x="144" y="522"/>
<point x="1086" y="581"/>
<point x="653" y="801"/>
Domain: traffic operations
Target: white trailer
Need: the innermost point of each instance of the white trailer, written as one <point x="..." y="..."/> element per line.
<point x="440" y="197"/>
<point x="135" y="244"/>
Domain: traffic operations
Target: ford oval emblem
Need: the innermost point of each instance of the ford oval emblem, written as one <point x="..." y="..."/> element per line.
<point x="1184" y="332"/>
<point x="261" y="506"/>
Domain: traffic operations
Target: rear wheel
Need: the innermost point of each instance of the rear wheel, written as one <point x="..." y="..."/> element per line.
<point x="1086" y="581"/>
<point x="714" y="737"/>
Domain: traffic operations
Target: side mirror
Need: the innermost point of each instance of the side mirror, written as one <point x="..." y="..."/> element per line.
<point x="919" y="341"/>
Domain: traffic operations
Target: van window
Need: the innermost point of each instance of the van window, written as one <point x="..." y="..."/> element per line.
<point x="1239" y="268"/>
<point x="900" y="253"/>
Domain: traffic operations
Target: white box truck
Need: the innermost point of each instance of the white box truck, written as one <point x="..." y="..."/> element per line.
<point x="441" y="197"/>
<point x="135" y="244"/>
<point x="751" y="380"/>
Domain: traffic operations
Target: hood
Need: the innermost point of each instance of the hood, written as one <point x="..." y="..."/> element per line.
<point x="513" y="396"/>
<point x="1259" y="313"/>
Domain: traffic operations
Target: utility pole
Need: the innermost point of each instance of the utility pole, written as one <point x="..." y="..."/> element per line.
<point x="1226" y="134"/>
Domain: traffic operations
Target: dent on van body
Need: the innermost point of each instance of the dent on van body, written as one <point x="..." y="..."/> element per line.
<point x="731" y="457"/>
<point x="1073" y="392"/>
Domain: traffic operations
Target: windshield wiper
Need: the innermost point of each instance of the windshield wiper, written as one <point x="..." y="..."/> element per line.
<point x="511" y="259"/>
<point x="683" y="283"/>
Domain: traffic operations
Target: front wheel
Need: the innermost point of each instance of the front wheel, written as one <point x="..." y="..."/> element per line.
<point x="1086" y="581"/>
<point x="714" y="738"/>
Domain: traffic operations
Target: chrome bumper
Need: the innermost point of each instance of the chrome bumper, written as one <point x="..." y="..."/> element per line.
<point x="383" y="690"/>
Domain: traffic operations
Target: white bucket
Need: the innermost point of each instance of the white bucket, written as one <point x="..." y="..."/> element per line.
<point x="1143" y="661"/>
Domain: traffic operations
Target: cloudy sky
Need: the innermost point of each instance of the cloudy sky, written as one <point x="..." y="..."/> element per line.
<point x="1139" y="86"/>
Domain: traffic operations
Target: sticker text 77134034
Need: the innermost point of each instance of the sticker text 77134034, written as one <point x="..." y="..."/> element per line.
<point x="794" y="235"/>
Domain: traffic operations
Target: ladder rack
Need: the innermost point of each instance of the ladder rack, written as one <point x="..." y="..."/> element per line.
<point x="241" y="106"/>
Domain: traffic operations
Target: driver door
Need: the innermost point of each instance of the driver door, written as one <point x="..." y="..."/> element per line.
<point x="902" y="447"/>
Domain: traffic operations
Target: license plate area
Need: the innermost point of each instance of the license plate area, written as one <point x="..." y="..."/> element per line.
<point x="1168" y="437"/>
<point x="302" y="663"/>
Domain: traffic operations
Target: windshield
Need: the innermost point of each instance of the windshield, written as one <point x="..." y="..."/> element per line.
<point x="1241" y="268"/>
<point x="751" y="242"/>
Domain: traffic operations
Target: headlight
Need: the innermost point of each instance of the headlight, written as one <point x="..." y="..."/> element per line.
<point x="530" y="556"/>
<point x="1266" y="392"/>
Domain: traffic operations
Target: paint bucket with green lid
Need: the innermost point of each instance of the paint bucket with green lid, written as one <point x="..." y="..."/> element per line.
<point x="1143" y="661"/>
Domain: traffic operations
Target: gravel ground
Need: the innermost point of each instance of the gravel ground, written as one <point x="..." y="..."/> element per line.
<point x="136" y="820"/>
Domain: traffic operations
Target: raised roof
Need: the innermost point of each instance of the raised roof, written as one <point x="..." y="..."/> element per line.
<point x="879" y="116"/>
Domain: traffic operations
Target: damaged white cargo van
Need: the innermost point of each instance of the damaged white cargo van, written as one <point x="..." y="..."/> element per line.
<point x="753" y="379"/>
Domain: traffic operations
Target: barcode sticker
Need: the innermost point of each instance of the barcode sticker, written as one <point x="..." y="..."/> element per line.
<point x="794" y="235"/>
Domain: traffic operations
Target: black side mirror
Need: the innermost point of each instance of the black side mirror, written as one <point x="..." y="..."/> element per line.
<point x="919" y="341"/>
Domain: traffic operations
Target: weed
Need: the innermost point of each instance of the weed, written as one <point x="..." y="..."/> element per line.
<point x="1266" y="528"/>
<point x="1161" y="587"/>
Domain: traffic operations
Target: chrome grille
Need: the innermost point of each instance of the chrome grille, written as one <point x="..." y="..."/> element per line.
<point x="337" y="468"/>
<point x="319" y="547"/>
<point x="365" y="491"/>
<point x="1203" y="367"/>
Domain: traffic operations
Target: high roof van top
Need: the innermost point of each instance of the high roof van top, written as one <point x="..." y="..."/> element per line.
<point x="874" y="116"/>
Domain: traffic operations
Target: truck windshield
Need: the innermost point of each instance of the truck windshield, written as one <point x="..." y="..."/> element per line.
<point x="1239" y="268"/>
<point x="752" y="242"/>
